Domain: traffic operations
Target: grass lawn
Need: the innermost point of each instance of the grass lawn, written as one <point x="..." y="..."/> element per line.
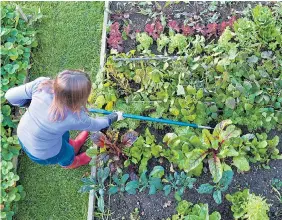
<point x="69" y="37"/>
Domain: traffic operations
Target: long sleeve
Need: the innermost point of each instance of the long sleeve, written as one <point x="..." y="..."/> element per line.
<point x="93" y="124"/>
<point x="19" y="95"/>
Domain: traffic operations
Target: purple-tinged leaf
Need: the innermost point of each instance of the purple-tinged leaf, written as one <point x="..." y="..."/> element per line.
<point x="129" y="138"/>
<point x="100" y="139"/>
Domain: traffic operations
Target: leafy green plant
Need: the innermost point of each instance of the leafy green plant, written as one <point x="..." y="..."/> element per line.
<point x="215" y="146"/>
<point x="246" y="205"/>
<point x="162" y="42"/>
<point x="186" y="210"/>
<point x="177" y="41"/>
<point x="266" y="24"/>
<point x="152" y="182"/>
<point x="190" y="105"/>
<point x="257" y="148"/>
<point x="276" y="185"/>
<point x="217" y="189"/>
<point x="178" y="182"/>
<point x="145" y="42"/>
<point x="143" y="150"/>
<point x="135" y="214"/>
<point x="97" y="184"/>
<point x="121" y="185"/>
<point x="113" y="147"/>
<point x="190" y="149"/>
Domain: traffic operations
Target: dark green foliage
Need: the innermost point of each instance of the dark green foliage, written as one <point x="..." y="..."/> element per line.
<point x="277" y="188"/>
<point x="217" y="189"/>
<point x="98" y="185"/>
<point x="178" y="182"/>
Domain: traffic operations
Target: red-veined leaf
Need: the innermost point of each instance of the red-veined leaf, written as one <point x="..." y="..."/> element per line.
<point x="215" y="168"/>
<point x="194" y="158"/>
<point x="129" y="138"/>
<point x="100" y="139"/>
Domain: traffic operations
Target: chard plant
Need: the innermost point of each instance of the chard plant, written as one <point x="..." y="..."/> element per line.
<point x="111" y="145"/>
<point x="246" y="205"/>
<point x="213" y="146"/>
<point x="225" y="142"/>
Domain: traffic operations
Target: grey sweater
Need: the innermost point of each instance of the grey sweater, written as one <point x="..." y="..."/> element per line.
<point x="42" y="137"/>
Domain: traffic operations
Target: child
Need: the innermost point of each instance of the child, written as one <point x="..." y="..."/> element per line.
<point x="56" y="106"/>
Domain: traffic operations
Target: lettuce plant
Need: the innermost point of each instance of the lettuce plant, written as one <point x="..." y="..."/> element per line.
<point x="145" y="42"/>
<point x="179" y="42"/>
<point x="142" y="150"/>
<point x="186" y="210"/>
<point x="246" y="205"/>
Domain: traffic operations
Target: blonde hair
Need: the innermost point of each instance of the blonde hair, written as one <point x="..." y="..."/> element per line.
<point x="71" y="89"/>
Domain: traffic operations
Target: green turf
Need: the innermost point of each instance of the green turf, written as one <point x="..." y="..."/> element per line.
<point x="69" y="37"/>
<point x="51" y="192"/>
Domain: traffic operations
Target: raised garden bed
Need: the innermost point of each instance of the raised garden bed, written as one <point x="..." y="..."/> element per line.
<point x="224" y="66"/>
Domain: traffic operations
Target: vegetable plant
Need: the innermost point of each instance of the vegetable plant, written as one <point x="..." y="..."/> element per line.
<point x="276" y="185"/>
<point x="214" y="146"/>
<point x="178" y="182"/>
<point x="246" y="205"/>
<point x="186" y="210"/>
<point x="179" y="42"/>
<point x="97" y="184"/>
<point x="142" y="150"/>
<point x="145" y="42"/>
<point x="113" y="145"/>
<point x="217" y="189"/>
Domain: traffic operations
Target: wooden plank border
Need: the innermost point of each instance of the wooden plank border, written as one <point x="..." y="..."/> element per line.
<point x="99" y="78"/>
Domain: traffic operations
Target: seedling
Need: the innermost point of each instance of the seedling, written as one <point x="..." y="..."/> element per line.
<point x="218" y="188"/>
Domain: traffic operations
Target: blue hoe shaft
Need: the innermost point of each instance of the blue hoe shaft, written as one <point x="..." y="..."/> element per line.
<point x="144" y="118"/>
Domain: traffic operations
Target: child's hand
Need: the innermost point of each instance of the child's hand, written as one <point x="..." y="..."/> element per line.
<point x="120" y="117"/>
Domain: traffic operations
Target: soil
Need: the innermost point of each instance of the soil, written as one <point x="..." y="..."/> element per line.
<point x="258" y="180"/>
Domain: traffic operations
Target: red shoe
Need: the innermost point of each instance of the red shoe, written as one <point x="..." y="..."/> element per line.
<point x="78" y="142"/>
<point x="79" y="160"/>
